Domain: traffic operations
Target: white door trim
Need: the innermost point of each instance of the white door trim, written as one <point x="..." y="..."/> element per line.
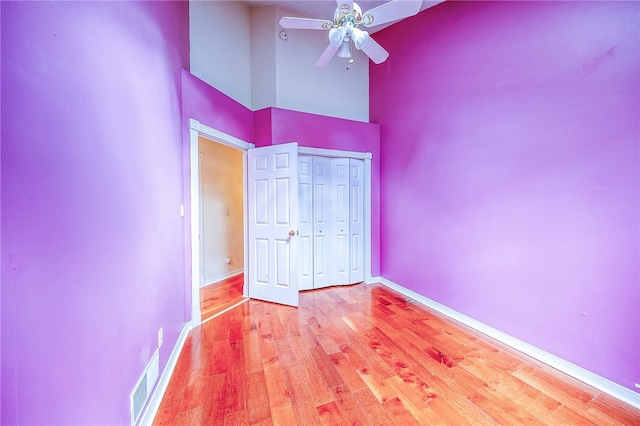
<point x="197" y="130"/>
<point x="367" y="220"/>
<point x="323" y="152"/>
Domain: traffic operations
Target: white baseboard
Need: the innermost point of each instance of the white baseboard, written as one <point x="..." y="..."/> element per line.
<point x="156" y="398"/>
<point x="373" y="280"/>
<point x="218" y="278"/>
<point x="605" y="385"/>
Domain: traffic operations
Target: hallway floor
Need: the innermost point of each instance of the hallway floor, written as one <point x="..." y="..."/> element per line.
<point x="217" y="297"/>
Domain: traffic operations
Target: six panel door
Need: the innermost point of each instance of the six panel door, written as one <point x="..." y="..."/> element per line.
<point x="272" y="214"/>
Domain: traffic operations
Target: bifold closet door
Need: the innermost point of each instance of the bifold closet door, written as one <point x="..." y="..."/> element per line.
<point x="340" y="221"/>
<point x="323" y="261"/>
<point x="331" y="221"/>
<point x="305" y="225"/>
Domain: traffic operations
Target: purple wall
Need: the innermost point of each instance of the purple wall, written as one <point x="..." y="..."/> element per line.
<point x="214" y="109"/>
<point x="275" y="125"/>
<point x="509" y="146"/>
<point x="92" y="239"/>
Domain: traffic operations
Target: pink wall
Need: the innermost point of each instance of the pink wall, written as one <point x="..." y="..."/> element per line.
<point x="275" y="126"/>
<point x="509" y="146"/>
<point x="92" y="239"/>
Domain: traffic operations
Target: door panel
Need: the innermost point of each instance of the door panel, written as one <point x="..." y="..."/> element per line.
<point x="261" y="254"/>
<point x="342" y="256"/>
<point x="272" y="206"/>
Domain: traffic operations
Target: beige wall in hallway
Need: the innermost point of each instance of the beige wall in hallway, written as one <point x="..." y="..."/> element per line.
<point x="222" y="210"/>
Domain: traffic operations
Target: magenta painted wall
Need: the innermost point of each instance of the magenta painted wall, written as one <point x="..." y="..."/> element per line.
<point x="509" y="146"/>
<point x="92" y="239"/>
<point x="214" y="109"/>
<point x="276" y="125"/>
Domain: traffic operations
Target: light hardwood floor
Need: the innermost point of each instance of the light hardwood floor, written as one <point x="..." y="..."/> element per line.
<point x="364" y="355"/>
<point x="217" y="297"/>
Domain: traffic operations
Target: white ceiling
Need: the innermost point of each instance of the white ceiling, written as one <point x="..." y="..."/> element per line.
<point x="324" y="9"/>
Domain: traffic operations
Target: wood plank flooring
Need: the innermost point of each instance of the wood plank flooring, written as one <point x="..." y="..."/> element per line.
<point x="217" y="297"/>
<point x="364" y="355"/>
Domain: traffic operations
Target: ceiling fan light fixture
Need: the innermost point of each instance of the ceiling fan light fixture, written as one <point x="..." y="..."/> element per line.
<point x="345" y="50"/>
<point x="360" y="38"/>
<point x="336" y="36"/>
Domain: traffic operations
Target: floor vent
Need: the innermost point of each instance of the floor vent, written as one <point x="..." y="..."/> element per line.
<point x="143" y="388"/>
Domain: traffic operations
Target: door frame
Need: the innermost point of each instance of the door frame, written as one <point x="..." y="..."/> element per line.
<point x="197" y="130"/>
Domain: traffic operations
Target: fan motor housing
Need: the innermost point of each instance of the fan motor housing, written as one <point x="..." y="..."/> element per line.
<point x="346" y="14"/>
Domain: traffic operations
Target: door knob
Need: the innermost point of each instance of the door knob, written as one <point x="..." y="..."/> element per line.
<point x="292" y="233"/>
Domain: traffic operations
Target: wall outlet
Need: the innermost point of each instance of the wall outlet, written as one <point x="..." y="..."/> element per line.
<point x="228" y="260"/>
<point x="160" y="337"/>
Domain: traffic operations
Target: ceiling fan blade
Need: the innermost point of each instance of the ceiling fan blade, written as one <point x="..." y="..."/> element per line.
<point x="328" y="53"/>
<point x="392" y="11"/>
<point x="305" y="23"/>
<point x="374" y="51"/>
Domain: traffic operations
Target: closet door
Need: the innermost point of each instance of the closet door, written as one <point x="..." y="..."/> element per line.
<point x="340" y="206"/>
<point x="305" y="227"/>
<point x="356" y="224"/>
<point x="322" y="226"/>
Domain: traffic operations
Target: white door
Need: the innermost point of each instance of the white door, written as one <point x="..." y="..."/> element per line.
<point x="305" y="227"/>
<point x="356" y="225"/>
<point x="272" y="215"/>
<point x="322" y="242"/>
<point x="340" y="205"/>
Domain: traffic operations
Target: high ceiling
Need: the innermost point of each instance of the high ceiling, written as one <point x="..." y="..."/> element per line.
<point x="324" y="9"/>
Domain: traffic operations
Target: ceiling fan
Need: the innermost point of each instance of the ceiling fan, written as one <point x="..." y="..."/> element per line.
<point x="344" y="28"/>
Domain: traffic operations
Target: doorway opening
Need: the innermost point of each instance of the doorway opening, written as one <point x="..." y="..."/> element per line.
<point x="221" y="185"/>
<point x="224" y="267"/>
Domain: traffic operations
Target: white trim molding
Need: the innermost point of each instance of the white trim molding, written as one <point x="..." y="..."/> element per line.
<point x="158" y="393"/>
<point x="194" y="185"/>
<point x="219" y="136"/>
<point x="333" y="153"/>
<point x="367" y="219"/>
<point x="605" y="385"/>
